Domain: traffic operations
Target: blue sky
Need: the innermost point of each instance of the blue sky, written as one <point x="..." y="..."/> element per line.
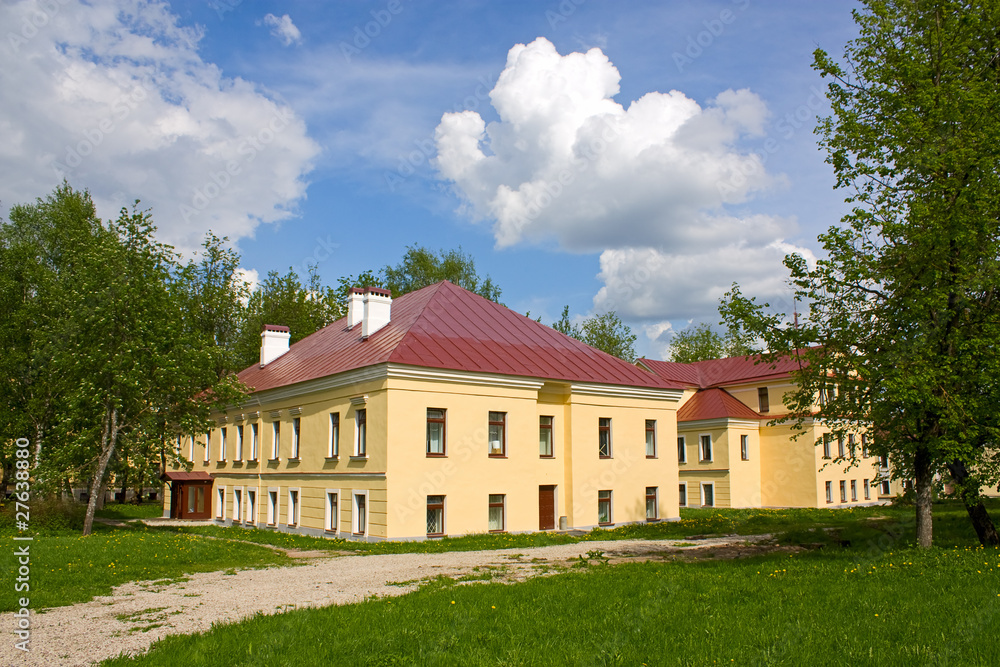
<point x="670" y="156"/>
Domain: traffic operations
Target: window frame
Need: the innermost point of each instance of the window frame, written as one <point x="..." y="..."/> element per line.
<point x="502" y="506"/>
<point x="222" y="444"/>
<point x="604" y="433"/>
<point x="744" y="447"/>
<point x="275" y="440"/>
<point x="254" y="441"/>
<point x="843" y="491"/>
<point x="331" y="519"/>
<point x="854" y="490"/>
<point x="436" y="506"/>
<point x="653" y="493"/>
<point x="682" y="454"/>
<point x="546" y="428"/>
<point x="682" y="491"/>
<point x="886" y="489"/>
<point x="607" y="501"/>
<point x="360" y="433"/>
<point x="501" y="423"/>
<point x="239" y="442"/>
<point x="707" y="485"/>
<point x="359" y="512"/>
<point x="865" y="449"/>
<point x="333" y="436"/>
<point x="826" y="445"/>
<point x="251" y="507"/>
<point x="294" y="509"/>
<point x="650" y="430"/>
<point x="296" y="435"/>
<point x="443" y="422"/>
<point x="220" y="499"/>
<point x="701" y="448"/>
<point x="273" y="505"/>
<point x="763" y="400"/>
<point x="829" y="492"/>
<point x="841" y="451"/>
<point x="868" y="489"/>
<point x="208" y="446"/>
<point x="238" y="504"/>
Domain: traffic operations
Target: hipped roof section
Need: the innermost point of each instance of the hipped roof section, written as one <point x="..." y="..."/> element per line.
<point x="443" y="326"/>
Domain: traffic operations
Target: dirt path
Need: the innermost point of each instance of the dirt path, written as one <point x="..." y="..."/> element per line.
<point x="137" y="614"/>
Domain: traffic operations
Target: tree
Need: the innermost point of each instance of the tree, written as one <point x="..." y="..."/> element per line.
<point x="700" y="342"/>
<point x="605" y="332"/>
<point x="421" y="267"/>
<point x="904" y="310"/>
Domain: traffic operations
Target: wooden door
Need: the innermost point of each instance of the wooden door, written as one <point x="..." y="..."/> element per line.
<point x="546" y="507"/>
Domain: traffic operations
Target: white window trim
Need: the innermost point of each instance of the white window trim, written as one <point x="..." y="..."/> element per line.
<point x="276" y="440"/>
<point x="332" y="437"/>
<point x="333" y="527"/>
<point x="250" y="501"/>
<point x="701" y="448"/>
<point x="296" y="434"/>
<point x="295" y="509"/>
<point x="208" y="446"/>
<point x="357" y="435"/>
<point x="254" y="440"/>
<point x="682" y="447"/>
<point x="222" y="444"/>
<point x="220" y="500"/>
<point x="191" y="449"/>
<point x="273" y="509"/>
<point x="354" y="513"/>
<point x="687" y="497"/>
<point x="828" y="487"/>
<point x="239" y="442"/>
<point x="238" y="505"/>
<point x="705" y="485"/>
<point x="744" y="439"/>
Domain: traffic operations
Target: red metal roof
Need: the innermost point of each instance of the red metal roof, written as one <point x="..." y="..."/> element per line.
<point x="444" y="326"/>
<point x="715" y="403"/>
<point x="717" y="372"/>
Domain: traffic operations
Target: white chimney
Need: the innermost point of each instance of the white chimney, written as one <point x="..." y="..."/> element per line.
<point x="273" y="342"/>
<point x="378" y="305"/>
<point x="355" y="306"/>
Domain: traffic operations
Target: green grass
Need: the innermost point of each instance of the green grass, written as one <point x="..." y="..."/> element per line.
<point x="126" y="511"/>
<point x="826" y="607"/>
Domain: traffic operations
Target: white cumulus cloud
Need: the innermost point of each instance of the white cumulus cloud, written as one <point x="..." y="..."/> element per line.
<point x="114" y="97"/>
<point x="652" y="185"/>
<point x="283" y="28"/>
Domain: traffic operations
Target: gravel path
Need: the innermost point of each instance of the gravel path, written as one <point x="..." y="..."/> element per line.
<point x="137" y="614"/>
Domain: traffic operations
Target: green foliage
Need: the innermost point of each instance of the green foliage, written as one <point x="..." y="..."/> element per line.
<point x="421" y="267"/>
<point x="700" y="342"/>
<point x="903" y="309"/>
<point x="606" y="332"/>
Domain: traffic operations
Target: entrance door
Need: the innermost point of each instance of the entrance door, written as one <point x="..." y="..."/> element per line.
<point x="190" y="500"/>
<point x="546" y="507"/>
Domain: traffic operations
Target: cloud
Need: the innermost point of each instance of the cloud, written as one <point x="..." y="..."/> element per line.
<point x="653" y="186"/>
<point x="283" y="29"/>
<point x="115" y="97"/>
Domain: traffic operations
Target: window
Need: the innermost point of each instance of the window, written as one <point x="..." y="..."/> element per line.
<point x="545" y="437"/>
<point x="826" y="445"/>
<point x="885" y="488"/>
<point x="498" y="434"/>
<point x="762" y="400"/>
<point x="850" y="444"/>
<point x="604" y="437"/>
<point x="706" y="447"/>
<point x="220" y="504"/>
<point x="296" y="426"/>
<point x="293" y="507"/>
<point x="191" y="449"/>
<point x="251" y="517"/>
<point x="650" y="438"/>
<point x="682" y="455"/>
<point x="333" y="443"/>
<point x="683" y="498"/>
<point x="359" y="521"/>
<point x="254" y="439"/>
<point x="745" y="447"/>
<point x="652" y="513"/>
<point x="435" y="516"/>
<point x="840" y="446"/>
<point x="883" y="462"/>
<point x="708" y="494"/>
<point x="435" y="432"/>
<point x="361" y="433"/>
<point x="854" y="490"/>
<point x="868" y="491"/>
<point x="843" y="491"/>
<point x="237" y="505"/>
<point x="272" y="507"/>
<point x="604" y="507"/>
<point x="208" y="446"/>
<point x="864" y="445"/>
<point x="222" y="445"/>
<point x="829" y="492"/>
<point x="275" y="440"/>
<point x="332" y="511"/>
<point x="239" y="442"/>
<point x="497" y="511"/>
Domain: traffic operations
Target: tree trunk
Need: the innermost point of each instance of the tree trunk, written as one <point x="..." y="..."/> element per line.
<point x="978" y="515"/>
<point x="109" y="436"/>
<point x="124" y="486"/>
<point x="923" y="487"/>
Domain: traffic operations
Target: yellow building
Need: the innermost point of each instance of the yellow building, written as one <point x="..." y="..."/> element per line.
<point x="729" y="455"/>
<point x="437" y="413"/>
